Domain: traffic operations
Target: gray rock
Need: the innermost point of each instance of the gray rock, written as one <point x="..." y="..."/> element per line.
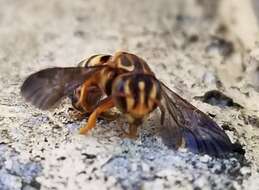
<point x="43" y="150"/>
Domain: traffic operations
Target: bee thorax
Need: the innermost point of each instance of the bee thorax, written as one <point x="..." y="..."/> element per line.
<point x="94" y="60"/>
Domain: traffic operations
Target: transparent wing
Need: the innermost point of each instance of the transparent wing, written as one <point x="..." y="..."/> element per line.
<point x="183" y="125"/>
<point x="45" y="88"/>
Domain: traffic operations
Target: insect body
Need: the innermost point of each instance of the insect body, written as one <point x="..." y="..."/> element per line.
<point x="126" y="82"/>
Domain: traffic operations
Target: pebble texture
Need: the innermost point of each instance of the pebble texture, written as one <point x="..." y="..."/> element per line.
<point x="187" y="47"/>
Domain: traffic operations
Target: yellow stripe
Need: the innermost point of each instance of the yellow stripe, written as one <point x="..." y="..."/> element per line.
<point x="129" y="98"/>
<point x="152" y="95"/>
<point x="95" y="60"/>
<point x="141" y="86"/>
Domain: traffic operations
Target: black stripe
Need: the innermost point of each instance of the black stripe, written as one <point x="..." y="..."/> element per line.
<point x="109" y="81"/>
<point x="121" y="100"/>
<point x="108" y="86"/>
<point x="133" y="86"/>
<point x="105" y="58"/>
<point x="149" y="84"/>
<point x="137" y="63"/>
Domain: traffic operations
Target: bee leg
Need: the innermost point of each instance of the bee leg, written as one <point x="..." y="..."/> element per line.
<point x="132" y="134"/>
<point x="133" y="130"/>
<point x="76" y="114"/>
<point x="109" y="115"/>
<point x="87" y="91"/>
<point x="103" y="106"/>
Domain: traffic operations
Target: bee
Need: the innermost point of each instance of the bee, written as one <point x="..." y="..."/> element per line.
<point x="126" y="82"/>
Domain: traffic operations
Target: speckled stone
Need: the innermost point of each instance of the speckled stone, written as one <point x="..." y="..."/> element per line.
<point x="43" y="149"/>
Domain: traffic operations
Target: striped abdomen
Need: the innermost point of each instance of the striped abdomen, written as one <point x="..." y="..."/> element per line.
<point x="136" y="95"/>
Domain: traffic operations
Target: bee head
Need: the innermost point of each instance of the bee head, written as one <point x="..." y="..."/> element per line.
<point x="136" y="95"/>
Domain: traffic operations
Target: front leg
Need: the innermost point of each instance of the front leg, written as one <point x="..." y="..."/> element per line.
<point x="90" y="95"/>
<point x="76" y="114"/>
<point x="133" y="131"/>
<point x="102" y="107"/>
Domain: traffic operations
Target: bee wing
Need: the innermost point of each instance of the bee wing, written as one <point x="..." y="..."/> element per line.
<point x="46" y="87"/>
<point x="186" y="126"/>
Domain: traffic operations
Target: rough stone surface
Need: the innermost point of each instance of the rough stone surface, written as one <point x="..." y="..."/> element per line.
<point x="186" y="47"/>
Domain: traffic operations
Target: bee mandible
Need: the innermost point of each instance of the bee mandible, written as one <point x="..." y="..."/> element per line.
<point x="125" y="81"/>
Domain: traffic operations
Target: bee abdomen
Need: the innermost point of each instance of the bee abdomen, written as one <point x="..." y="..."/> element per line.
<point x="136" y="94"/>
